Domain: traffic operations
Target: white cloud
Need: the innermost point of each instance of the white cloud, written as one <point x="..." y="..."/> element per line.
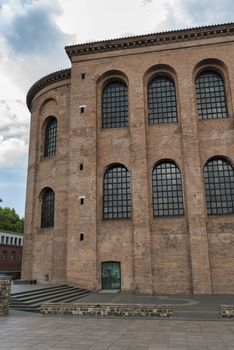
<point x="13" y="134"/>
<point x="31" y="46"/>
<point x="13" y="152"/>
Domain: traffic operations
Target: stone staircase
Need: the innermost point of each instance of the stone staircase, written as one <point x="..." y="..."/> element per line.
<point x="32" y="300"/>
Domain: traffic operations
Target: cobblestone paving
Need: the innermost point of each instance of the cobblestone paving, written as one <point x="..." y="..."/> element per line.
<point x="30" y="331"/>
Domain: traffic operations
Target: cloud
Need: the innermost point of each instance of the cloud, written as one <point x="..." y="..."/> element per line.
<point x="32" y="43"/>
<point x="13" y="152"/>
<point x="146" y="2"/>
<point x="13" y="135"/>
<point x="208" y="12"/>
<point x="33" y="29"/>
<point x="31" y="46"/>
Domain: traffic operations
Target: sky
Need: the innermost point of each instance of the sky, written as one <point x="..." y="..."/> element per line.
<point x="33" y="34"/>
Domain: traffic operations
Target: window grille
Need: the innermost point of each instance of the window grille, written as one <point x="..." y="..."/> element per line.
<point x="167" y="190"/>
<point x="162" y="101"/>
<point x="219" y="187"/>
<point x="115" y="105"/>
<point x="47" y="208"/>
<point x="210" y="93"/>
<point x="51" y="138"/>
<point x="117" y="194"/>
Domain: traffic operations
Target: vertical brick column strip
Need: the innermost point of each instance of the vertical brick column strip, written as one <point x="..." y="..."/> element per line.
<point x="81" y="258"/>
<point x="194" y="189"/>
<point x="5" y="292"/>
<point x="140" y="190"/>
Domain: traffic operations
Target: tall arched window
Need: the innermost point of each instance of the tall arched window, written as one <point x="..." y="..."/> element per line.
<point x="115" y="105"/>
<point x="47" y="208"/>
<point x="219" y="186"/>
<point x="162" y="101"/>
<point x="117" y="193"/>
<point x="210" y="93"/>
<point x="50" y="137"/>
<point x="167" y="190"/>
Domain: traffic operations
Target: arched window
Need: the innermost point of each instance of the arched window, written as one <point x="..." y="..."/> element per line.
<point x="47" y="208"/>
<point x="115" y="105"/>
<point x="117" y="193"/>
<point x="219" y="186"/>
<point x="50" y="137"/>
<point x="162" y="101"/>
<point x="210" y="93"/>
<point x="167" y="190"/>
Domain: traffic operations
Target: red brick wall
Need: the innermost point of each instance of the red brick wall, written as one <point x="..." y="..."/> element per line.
<point x="10" y="264"/>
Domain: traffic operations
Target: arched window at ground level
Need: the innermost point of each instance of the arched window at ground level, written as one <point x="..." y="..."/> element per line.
<point x="167" y="190"/>
<point x="117" y="193"/>
<point x="219" y="186"/>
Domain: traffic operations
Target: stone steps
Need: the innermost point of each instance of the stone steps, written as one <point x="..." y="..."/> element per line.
<point x="32" y="300"/>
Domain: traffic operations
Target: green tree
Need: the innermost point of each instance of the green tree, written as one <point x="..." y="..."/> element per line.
<point x="10" y="220"/>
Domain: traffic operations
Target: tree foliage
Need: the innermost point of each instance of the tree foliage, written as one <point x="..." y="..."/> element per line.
<point x="10" y="220"/>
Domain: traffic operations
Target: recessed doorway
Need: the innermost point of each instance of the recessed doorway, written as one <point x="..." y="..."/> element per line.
<point x="111" y="275"/>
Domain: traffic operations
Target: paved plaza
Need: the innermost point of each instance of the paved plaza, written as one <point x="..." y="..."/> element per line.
<point x="195" y="325"/>
<point x="27" y="331"/>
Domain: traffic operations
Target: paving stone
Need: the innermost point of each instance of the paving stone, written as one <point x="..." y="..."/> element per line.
<point x="53" y="333"/>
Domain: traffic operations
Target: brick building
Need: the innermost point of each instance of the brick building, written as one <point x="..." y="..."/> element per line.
<point x="10" y="253"/>
<point x="130" y="177"/>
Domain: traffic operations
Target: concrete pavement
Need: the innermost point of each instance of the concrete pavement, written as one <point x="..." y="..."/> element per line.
<point x="24" y="331"/>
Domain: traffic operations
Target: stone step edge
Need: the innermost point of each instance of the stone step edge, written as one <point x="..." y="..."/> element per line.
<point x="14" y="304"/>
<point x="41" y="289"/>
<point x="40" y="296"/>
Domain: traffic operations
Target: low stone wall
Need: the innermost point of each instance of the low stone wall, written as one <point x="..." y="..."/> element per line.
<point x="226" y="311"/>
<point x="5" y="293"/>
<point x="121" y="310"/>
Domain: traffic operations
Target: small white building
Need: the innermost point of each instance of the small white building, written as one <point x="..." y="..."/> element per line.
<point x="11" y="238"/>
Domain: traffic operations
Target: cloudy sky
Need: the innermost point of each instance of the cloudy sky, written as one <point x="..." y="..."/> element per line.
<point x="33" y="34"/>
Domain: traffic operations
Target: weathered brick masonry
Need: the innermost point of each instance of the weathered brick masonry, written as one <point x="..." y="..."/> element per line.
<point x="193" y="253"/>
<point x="5" y="292"/>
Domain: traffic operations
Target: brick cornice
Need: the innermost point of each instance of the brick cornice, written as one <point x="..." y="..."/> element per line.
<point x="151" y="39"/>
<point x="46" y="81"/>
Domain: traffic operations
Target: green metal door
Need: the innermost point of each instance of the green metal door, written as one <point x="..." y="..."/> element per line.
<point x="111" y="277"/>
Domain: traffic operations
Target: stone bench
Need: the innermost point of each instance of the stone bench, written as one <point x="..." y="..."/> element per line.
<point x="121" y="310"/>
<point x="226" y="311"/>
